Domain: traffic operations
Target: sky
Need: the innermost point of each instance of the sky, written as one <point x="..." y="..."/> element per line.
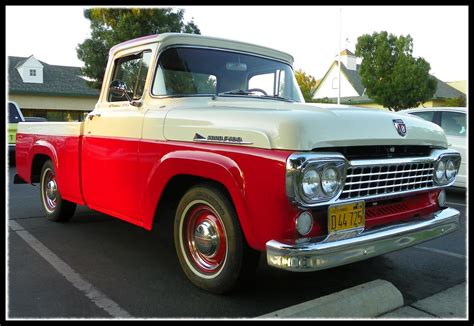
<point x="309" y="33"/>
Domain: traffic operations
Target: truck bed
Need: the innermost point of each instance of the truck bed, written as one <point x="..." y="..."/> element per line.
<point x="60" y="141"/>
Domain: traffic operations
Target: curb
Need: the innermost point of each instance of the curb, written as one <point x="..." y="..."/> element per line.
<point x="450" y="303"/>
<point x="367" y="300"/>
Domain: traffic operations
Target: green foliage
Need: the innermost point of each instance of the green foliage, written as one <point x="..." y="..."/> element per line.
<point x="110" y="26"/>
<point x="391" y="75"/>
<point x="182" y="82"/>
<point x="456" y="102"/>
<point x="307" y="84"/>
<point x="323" y="100"/>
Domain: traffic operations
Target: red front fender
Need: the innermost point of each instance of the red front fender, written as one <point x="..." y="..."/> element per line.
<point x="254" y="178"/>
<point x="205" y="165"/>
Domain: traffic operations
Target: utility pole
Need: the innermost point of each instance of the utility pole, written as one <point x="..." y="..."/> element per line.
<point x="339" y="77"/>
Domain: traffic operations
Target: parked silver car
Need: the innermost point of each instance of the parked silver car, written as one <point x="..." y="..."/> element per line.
<point x="453" y="122"/>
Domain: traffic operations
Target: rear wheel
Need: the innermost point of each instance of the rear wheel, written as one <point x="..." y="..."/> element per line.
<point x="209" y="240"/>
<point x="55" y="207"/>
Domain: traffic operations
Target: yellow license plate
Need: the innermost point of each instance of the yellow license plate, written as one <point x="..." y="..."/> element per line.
<point x="346" y="216"/>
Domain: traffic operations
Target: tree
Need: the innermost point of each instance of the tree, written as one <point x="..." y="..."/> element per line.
<point x="391" y="75"/>
<point x="307" y="84"/>
<point x="110" y="26"/>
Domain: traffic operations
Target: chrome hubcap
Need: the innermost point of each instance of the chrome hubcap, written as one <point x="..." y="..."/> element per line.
<point x="206" y="239"/>
<point x="204" y="235"/>
<point x="50" y="190"/>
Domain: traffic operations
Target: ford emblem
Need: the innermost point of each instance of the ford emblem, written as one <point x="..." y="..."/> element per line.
<point x="400" y="126"/>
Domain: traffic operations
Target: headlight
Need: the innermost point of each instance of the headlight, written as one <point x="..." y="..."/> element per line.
<point x="315" y="177"/>
<point x="450" y="170"/>
<point x="311" y="183"/>
<point x="439" y="170"/>
<point x="330" y="180"/>
<point x="445" y="169"/>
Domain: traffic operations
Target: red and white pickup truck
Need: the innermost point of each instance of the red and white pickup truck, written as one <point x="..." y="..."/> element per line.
<point x="221" y="126"/>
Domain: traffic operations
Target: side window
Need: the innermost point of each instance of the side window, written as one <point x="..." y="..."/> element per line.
<point x="273" y="83"/>
<point x="281" y="82"/>
<point x="132" y="70"/>
<point x="264" y="81"/>
<point x="454" y="123"/>
<point x="428" y="115"/>
<point x="13" y="114"/>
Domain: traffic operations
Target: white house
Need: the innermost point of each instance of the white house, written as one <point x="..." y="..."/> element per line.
<point x="353" y="91"/>
<point x="350" y="79"/>
<point x="57" y="93"/>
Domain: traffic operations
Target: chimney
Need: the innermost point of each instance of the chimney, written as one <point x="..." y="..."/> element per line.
<point x="349" y="59"/>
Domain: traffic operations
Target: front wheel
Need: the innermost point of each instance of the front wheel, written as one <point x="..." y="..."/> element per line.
<point x="55" y="207"/>
<point x="208" y="239"/>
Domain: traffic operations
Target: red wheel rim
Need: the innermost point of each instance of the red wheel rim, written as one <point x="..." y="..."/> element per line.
<point x="205" y="239"/>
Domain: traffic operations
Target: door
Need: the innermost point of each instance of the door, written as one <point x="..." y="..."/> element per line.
<point x="112" y="133"/>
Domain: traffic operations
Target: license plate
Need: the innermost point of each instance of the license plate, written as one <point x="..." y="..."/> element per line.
<point x="346" y="216"/>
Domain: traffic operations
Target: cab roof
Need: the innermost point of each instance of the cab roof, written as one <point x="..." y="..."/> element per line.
<point x="168" y="39"/>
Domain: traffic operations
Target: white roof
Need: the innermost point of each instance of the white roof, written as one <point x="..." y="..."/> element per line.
<point x="168" y="39"/>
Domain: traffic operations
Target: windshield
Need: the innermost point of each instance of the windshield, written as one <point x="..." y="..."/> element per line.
<point x="194" y="71"/>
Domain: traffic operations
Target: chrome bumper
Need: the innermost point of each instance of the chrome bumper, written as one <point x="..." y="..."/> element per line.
<point x="316" y="254"/>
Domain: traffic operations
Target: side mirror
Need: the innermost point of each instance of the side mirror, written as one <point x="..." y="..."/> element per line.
<point x="119" y="88"/>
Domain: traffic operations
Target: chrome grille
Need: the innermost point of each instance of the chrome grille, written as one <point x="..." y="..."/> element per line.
<point x="362" y="181"/>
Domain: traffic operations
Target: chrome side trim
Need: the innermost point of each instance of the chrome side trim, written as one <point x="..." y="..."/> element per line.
<point x="314" y="254"/>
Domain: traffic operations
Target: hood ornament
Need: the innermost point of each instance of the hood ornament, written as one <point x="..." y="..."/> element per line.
<point x="400" y="127"/>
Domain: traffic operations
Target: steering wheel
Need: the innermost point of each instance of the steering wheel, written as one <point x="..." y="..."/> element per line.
<point x="258" y="90"/>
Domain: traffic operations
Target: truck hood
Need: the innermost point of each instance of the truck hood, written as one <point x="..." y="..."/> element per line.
<point x="294" y="126"/>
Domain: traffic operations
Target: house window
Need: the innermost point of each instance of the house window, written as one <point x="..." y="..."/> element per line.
<point x="32" y="72"/>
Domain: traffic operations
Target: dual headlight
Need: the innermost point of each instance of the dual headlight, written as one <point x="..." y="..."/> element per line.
<point x="319" y="178"/>
<point x="446" y="169"/>
<point x="313" y="179"/>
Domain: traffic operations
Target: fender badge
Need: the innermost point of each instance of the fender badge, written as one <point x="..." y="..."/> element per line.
<point x="220" y="139"/>
<point x="400" y="127"/>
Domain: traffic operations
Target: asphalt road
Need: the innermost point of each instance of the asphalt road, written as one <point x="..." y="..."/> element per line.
<point x="139" y="272"/>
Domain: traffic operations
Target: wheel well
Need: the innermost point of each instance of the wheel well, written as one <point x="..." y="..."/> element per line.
<point x="175" y="190"/>
<point x="172" y="194"/>
<point x="36" y="166"/>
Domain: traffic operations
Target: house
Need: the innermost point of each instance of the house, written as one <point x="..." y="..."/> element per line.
<point x="354" y="93"/>
<point x="57" y="93"/>
<point x="460" y="85"/>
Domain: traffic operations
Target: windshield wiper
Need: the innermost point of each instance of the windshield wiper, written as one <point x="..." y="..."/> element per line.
<point x="242" y="92"/>
<point x="276" y="97"/>
<point x="235" y="92"/>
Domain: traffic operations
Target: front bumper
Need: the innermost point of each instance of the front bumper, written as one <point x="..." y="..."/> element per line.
<point x="317" y="254"/>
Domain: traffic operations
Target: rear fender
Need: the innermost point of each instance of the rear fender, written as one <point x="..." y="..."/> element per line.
<point x="41" y="147"/>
